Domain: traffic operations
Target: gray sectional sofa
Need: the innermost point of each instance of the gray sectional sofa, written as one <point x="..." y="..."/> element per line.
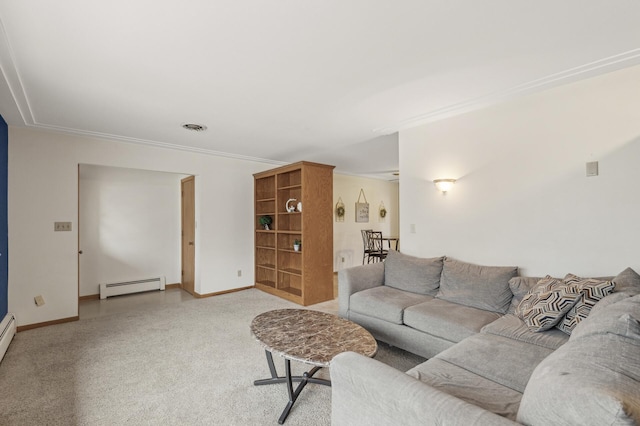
<point x="486" y="366"/>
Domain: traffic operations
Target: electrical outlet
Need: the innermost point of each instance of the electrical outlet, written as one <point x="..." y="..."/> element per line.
<point x="239" y="273"/>
<point x="62" y="226"/>
<point x="39" y="300"/>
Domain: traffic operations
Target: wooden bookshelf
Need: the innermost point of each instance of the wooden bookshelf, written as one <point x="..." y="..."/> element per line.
<point x="306" y="276"/>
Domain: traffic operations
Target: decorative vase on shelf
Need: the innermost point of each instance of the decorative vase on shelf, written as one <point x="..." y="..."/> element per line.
<point x="290" y="205"/>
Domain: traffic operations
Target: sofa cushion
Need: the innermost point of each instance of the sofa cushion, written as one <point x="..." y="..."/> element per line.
<point x="367" y="392"/>
<point x="614" y="297"/>
<point x="413" y="274"/>
<point x="618" y="319"/>
<point x="385" y="303"/>
<point x="447" y="320"/>
<point x="592" y="290"/>
<point x="505" y="361"/>
<point x="512" y="327"/>
<point x="546" y="303"/>
<point x="468" y="386"/>
<point x="482" y="287"/>
<point x="624" y="325"/>
<point x="627" y="281"/>
<point x="520" y="286"/>
<point x="594" y="379"/>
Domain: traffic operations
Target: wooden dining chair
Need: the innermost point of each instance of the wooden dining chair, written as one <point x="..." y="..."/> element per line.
<point x="376" y="248"/>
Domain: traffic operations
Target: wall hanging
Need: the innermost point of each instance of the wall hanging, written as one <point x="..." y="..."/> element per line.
<point x="362" y="209"/>
<point x="340" y="210"/>
<point x="382" y="211"/>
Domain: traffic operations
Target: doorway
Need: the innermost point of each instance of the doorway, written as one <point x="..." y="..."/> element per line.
<point x="129" y="224"/>
<point x="188" y="221"/>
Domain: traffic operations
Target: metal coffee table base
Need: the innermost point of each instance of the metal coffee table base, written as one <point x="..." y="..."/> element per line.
<point x="306" y="377"/>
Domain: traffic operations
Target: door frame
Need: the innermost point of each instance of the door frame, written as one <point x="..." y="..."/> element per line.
<point x="79" y="219"/>
<point x="184" y="239"/>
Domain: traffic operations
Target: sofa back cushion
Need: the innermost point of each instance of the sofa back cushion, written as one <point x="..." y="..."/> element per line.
<point x="627" y="281"/>
<point x="414" y="274"/>
<point x="614" y="297"/>
<point x="482" y="287"/>
<point x="594" y="379"/>
<point x="612" y="319"/>
<point x="520" y="286"/>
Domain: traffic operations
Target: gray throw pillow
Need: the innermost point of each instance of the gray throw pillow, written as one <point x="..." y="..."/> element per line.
<point x="627" y="281"/>
<point x="414" y="274"/>
<point x="477" y="286"/>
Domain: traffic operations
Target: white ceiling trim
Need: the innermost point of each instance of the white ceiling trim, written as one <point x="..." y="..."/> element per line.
<point x="137" y="141"/>
<point x="16" y="87"/>
<point x="12" y="77"/>
<point x="591" y="69"/>
<point x="15" y="84"/>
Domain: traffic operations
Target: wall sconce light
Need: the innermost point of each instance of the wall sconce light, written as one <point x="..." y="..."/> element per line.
<point x="444" y="185"/>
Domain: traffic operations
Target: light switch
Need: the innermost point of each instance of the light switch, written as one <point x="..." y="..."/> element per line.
<point x="592" y="168"/>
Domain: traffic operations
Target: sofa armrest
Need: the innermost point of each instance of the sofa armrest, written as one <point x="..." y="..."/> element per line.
<point x="367" y="392"/>
<point x="356" y="279"/>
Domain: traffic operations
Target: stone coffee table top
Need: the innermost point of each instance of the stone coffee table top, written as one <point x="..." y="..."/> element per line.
<point x="311" y="337"/>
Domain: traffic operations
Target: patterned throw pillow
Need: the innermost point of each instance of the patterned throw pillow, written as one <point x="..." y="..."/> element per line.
<point x="592" y="290"/>
<point x="546" y="303"/>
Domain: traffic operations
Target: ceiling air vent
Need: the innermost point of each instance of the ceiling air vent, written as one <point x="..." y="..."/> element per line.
<point x="194" y="127"/>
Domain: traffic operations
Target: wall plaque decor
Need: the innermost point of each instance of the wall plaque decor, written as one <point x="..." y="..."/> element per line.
<point x="362" y="209"/>
<point x="382" y="210"/>
<point x="340" y="210"/>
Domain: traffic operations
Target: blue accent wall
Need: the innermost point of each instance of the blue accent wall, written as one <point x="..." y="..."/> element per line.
<point x="4" y="234"/>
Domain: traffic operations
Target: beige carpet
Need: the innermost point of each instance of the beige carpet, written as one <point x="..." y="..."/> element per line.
<point x="191" y="363"/>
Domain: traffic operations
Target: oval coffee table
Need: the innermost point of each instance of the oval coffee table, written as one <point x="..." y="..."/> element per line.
<point x="310" y="337"/>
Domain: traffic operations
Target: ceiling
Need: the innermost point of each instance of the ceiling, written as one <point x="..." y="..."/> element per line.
<point x="282" y="81"/>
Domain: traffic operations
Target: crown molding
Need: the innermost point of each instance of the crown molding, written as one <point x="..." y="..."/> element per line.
<point x="15" y="86"/>
<point x="155" y="144"/>
<point x="12" y="78"/>
<point x="591" y="69"/>
<point x="367" y="175"/>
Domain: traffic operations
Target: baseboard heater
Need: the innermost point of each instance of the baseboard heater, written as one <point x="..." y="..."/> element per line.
<point x="128" y="287"/>
<point x="7" y="331"/>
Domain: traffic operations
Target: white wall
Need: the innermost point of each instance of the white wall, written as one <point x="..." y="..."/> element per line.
<point x="43" y="188"/>
<point x="522" y="197"/>
<point x="129" y="226"/>
<point x="347" y="239"/>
